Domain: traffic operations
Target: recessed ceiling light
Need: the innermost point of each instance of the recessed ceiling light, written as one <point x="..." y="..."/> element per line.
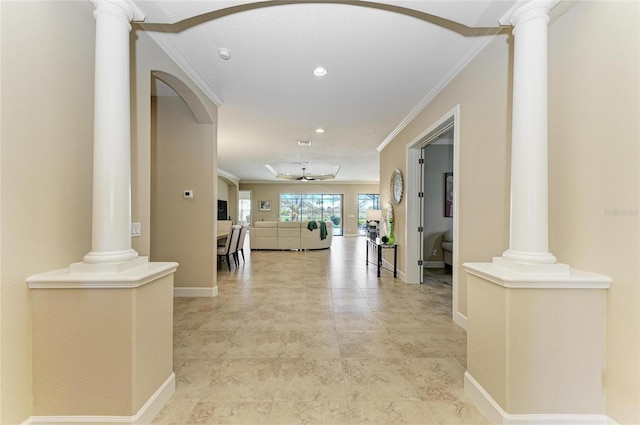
<point x="304" y="142"/>
<point x="319" y="72"/>
<point x="319" y="130"/>
<point x="224" y="53"/>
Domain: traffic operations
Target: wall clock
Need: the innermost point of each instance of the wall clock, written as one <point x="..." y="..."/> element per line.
<point x="397" y="187"/>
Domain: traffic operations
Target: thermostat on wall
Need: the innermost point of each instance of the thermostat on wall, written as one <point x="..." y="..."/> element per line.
<point x="188" y="194"/>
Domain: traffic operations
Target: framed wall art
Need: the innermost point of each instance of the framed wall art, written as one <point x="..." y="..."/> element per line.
<point x="264" y="206"/>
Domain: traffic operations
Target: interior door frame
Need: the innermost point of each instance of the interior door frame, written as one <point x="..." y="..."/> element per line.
<point x="413" y="149"/>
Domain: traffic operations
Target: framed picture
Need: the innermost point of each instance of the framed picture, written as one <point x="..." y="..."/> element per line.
<point x="448" y="194"/>
<point x="264" y="206"/>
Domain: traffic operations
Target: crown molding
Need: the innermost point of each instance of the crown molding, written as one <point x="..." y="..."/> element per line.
<point x="165" y="43"/>
<point x="464" y="60"/>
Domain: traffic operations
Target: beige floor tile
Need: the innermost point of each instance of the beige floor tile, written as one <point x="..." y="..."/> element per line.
<point x="243" y="380"/>
<point x="346" y="293"/>
<point x="350" y="321"/>
<point x="316" y="337"/>
<point x="369" y="345"/>
<point x="256" y="344"/>
<point x="391" y="412"/>
<point x="332" y="412"/>
<point x="300" y="320"/>
<point x="258" y="320"/>
<point x="436" y="379"/>
<point x="350" y="305"/>
<point x="311" y="380"/>
<point x="175" y="412"/>
<point x="200" y="344"/>
<point x="391" y="321"/>
<point x="312" y="344"/>
<point x="223" y="320"/>
<point x="230" y="413"/>
<point x="377" y="380"/>
<point x="456" y="412"/>
<point x="310" y="304"/>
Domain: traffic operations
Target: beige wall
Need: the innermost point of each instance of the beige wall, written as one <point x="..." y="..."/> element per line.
<point x="46" y="170"/>
<point x="118" y="355"/>
<point x="148" y="58"/>
<point x="594" y="146"/>
<point x="223" y="190"/>
<point x="482" y="90"/>
<point x="271" y="192"/>
<point x="228" y="191"/>
<point x="182" y="158"/>
<point x="593" y="167"/>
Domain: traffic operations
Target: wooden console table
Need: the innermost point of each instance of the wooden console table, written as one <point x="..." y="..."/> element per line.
<point x="376" y="247"/>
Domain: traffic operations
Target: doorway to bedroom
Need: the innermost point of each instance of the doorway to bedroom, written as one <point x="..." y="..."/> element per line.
<point x="430" y="223"/>
<point x="437" y="209"/>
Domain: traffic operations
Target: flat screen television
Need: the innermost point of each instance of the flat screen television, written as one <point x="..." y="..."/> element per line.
<point x="222" y="210"/>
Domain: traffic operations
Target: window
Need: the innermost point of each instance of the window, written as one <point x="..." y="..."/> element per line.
<point x="312" y="206"/>
<point x="244" y="207"/>
<point x="366" y="201"/>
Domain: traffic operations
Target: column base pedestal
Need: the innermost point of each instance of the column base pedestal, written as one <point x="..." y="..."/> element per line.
<point x="102" y="342"/>
<point x="535" y="343"/>
<point x="527" y="267"/>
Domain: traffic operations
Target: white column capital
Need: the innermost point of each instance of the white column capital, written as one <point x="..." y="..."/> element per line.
<point x="122" y="9"/>
<point x="525" y="10"/>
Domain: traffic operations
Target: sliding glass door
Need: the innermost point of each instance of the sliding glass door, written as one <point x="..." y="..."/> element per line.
<point x="366" y="201"/>
<point x="312" y="206"/>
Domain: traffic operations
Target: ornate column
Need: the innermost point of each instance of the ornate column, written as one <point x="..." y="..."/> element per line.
<point x="529" y="318"/>
<point x="111" y="225"/>
<point x="529" y="226"/>
<point x="102" y="329"/>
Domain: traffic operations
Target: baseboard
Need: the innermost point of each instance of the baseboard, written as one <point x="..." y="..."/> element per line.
<point x="494" y="413"/>
<point x="389" y="267"/>
<point x="433" y="264"/>
<point x="460" y="319"/>
<point x="195" y="292"/>
<point x="403" y="277"/>
<point x="144" y="416"/>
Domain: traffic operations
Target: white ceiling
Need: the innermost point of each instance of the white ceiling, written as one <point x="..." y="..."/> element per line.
<point x="384" y="63"/>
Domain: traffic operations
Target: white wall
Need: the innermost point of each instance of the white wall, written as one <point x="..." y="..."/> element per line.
<point x="438" y="160"/>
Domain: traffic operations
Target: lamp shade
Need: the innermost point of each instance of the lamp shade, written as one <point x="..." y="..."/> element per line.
<point x="374" y="215"/>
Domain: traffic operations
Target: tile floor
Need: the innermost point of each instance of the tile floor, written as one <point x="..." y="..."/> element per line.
<point x="316" y="338"/>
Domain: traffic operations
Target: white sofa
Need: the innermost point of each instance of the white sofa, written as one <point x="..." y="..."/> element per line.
<point x="289" y="235"/>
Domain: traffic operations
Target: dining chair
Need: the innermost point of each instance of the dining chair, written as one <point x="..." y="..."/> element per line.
<point x="240" y="247"/>
<point x="231" y="244"/>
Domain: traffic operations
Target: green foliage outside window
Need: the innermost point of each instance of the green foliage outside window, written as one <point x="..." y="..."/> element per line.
<point x="312" y="206"/>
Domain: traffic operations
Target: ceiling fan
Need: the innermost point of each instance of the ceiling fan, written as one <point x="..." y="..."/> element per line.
<point x="288" y="175"/>
<point x="304" y="176"/>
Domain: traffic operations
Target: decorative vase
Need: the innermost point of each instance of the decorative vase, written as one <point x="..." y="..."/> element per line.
<point x="392" y="239"/>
